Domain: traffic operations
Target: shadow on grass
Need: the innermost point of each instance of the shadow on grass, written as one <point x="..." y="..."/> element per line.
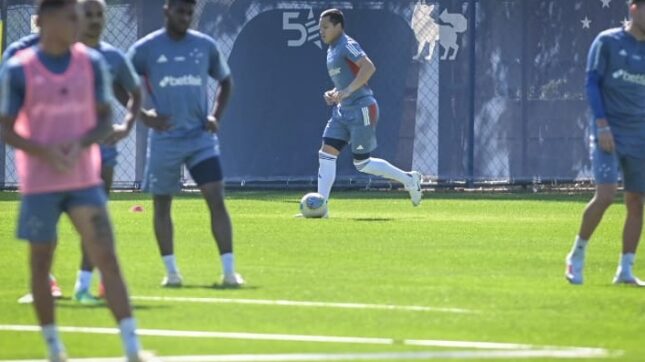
<point x="373" y="219"/>
<point x="67" y="303"/>
<point x="217" y="286"/>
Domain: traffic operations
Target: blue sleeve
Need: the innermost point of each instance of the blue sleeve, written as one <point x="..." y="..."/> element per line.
<point x="137" y="57"/>
<point x="218" y="67"/>
<point x="102" y="80"/>
<point x="353" y="51"/>
<point x="596" y="69"/>
<point x="9" y="53"/>
<point x="23" y="43"/>
<point x="125" y="75"/>
<point x="12" y="89"/>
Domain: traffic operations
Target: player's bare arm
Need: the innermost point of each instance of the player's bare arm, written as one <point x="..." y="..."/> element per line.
<point x="605" y="137"/>
<point x="222" y="101"/>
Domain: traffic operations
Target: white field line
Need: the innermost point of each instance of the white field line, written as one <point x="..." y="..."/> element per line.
<point x="497" y="350"/>
<point x="214" y="335"/>
<point x="293" y="303"/>
<point x="390" y="356"/>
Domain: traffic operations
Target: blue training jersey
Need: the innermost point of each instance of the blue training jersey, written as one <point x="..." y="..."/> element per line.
<point x="616" y="66"/>
<point x="18" y="45"/>
<point x="176" y="74"/>
<point x="342" y="57"/>
<point x="120" y="67"/>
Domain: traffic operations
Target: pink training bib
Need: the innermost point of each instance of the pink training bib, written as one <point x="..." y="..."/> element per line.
<point x="58" y="108"/>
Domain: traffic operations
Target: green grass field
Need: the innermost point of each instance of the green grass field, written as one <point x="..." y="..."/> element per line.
<point x="488" y="267"/>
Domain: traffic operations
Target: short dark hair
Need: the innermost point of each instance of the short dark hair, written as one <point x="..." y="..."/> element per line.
<point x="637" y="2"/>
<point x="335" y="17"/>
<point x="47" y="5"/>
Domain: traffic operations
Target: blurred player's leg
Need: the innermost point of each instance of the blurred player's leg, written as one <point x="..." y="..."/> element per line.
<point x="222" y="231"/>
<point x="208" y="175"/>
<point x="41" y="256"/>
<point x="84" y="280"/>
<point x="591" y="218"/>
<point x="94" y="227"/>
<point x="605" y="172"/>
<point x="631" y="236"/>
<point x="634" y="180"/>
<point x="84" y="276"/>
<point x="164" y="234"/>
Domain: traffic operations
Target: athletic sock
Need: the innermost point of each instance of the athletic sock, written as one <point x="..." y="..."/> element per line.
<point x="326" y="173"/>
<point x="171" y="264"/>
<point x="228" y="263"/>
<point x="128" y="329"/>
<point x="579" y="247"/>
<point x="382" y="168"/>
<point x="626" y="265"/>
<point x="83" y="281"/>
<point x="54" y="345"/>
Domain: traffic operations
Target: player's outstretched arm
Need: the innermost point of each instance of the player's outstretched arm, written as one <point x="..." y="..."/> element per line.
<point x="366" y="71"/>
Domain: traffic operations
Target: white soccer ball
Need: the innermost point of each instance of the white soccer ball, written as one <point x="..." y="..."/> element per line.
<point x="313" y="205"/>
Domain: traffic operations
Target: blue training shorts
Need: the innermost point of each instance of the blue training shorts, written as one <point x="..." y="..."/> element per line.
<point x="40" y="213"/>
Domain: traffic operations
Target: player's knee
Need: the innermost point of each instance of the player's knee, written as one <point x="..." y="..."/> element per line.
<point x="604" y="199"/>
<point x="105" y="259"/>
<point x="361" y="161"/>
<point x="333" y="146"/>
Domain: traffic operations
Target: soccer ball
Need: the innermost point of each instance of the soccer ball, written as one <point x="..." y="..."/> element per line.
<point x="313" y="205"/>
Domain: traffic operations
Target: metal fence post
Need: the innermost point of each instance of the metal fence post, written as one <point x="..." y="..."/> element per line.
<point x="472" y="34"/>
<point x="3" y="147"/>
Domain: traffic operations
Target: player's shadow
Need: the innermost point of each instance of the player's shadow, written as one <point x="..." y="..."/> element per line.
<point x="373" y="219"/>
<point x="68" y="303"/>
<point x="218" y="286"/>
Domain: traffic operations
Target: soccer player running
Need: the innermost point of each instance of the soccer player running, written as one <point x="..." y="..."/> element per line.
<point x="355" y="111"/>
<point x="54" y="108"/>
<point x="127" y="91"/>
<point x="616" y="93"/>
<point x="177" y="63"/>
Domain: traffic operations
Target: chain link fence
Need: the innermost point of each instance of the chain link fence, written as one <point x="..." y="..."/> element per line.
<point x="470" y="91"/>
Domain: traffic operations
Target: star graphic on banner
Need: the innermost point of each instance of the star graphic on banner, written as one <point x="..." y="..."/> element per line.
<point x="625" y="22"/>
<point x="586" y="23"/>
<point x="605" y="3"/>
